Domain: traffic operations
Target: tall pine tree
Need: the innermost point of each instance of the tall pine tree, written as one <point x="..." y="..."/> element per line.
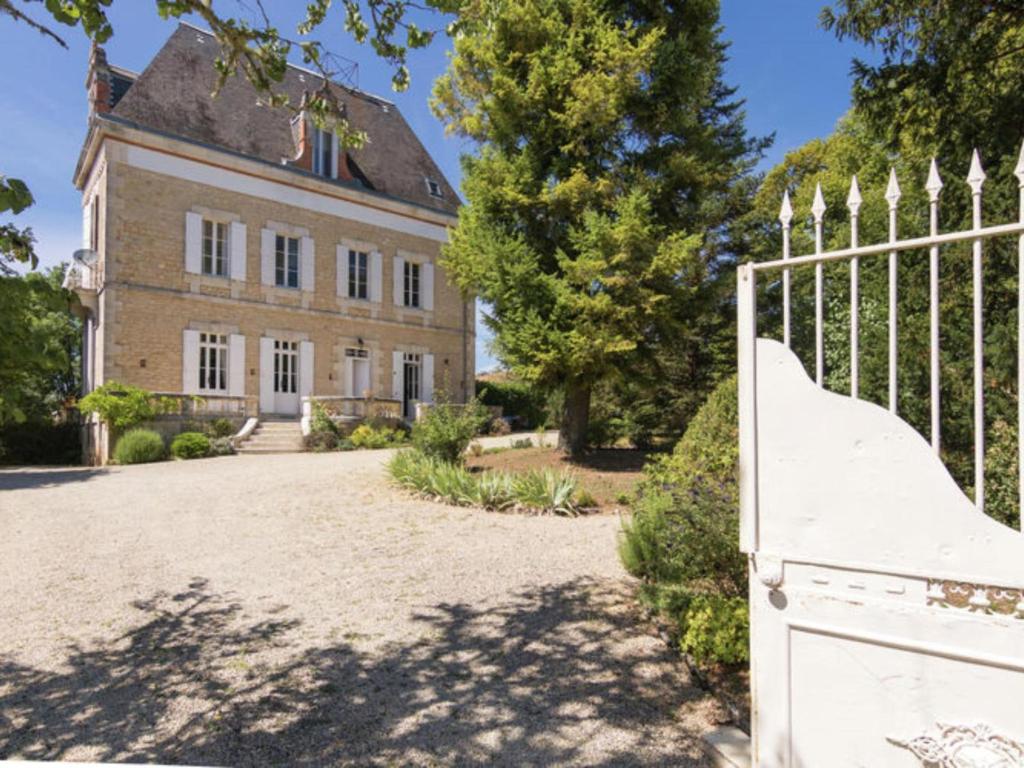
<point x="611" y="159"/>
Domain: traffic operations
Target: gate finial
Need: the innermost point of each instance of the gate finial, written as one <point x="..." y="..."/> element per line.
<point x="1019" y="170"/>
<point x="976" y="175"/>
<point x="786" y="212"/>
<point x="934" y="182"/>
<point x="892" y="192"/>
<point x="818" y="208"/>
<point x="853" y="200"/>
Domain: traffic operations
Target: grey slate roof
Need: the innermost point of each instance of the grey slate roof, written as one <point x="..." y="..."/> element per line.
<point x="172" y="95"/>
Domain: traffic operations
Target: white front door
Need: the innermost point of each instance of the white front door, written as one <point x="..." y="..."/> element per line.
<point x="286" y="376"/>
<point x="360" y="376"/>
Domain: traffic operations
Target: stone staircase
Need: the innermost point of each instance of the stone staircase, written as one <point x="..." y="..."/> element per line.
<point x="274" y="436"/>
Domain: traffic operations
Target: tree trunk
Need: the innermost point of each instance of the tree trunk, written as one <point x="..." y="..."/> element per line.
<point x="572" y="437"/>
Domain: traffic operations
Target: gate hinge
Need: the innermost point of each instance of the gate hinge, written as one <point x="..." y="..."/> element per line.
<point x="768" y="569"/>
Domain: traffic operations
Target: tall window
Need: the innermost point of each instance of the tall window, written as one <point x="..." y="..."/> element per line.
<point x="286" y="366"/>
<point x="286" y="266"/>
<point x="323" y="152"/>
<point x="357" y="275"/>
<point x="215" y="248"/>
<point x="213" y="362"/>
<point x="412" y="284"/>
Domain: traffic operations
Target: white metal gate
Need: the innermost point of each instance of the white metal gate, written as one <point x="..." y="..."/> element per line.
<point x="887" y="612"/>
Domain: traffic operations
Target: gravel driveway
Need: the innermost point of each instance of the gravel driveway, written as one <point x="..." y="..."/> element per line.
<point x="296" y="610"/>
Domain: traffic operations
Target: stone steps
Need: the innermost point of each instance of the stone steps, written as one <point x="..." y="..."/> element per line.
<point x="274" y="436"/>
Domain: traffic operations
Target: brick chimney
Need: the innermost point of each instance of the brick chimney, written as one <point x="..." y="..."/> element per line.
<point x="97" y="82"/>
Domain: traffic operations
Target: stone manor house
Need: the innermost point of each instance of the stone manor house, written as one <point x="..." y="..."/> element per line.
<point x="237" y="253"/>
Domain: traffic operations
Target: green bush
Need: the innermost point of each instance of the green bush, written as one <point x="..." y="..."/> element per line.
<point x="717" y="629"/>
<point x="190" y="445"/>
<point x="139" y="446"/>
<point x="537" y="491"/>
<point x="446" y="430"/>
<point x="221" y="446"/>
<point x="220" y="428"/>
<point x="40" y="442"/>
<point x="683" y="538"/>
<point x="320" y="442"/>
<point x="516" y="399"/>
<point x="320" y="420"/>
<point x="372" y="438"/>
<point x="122" y="406"/>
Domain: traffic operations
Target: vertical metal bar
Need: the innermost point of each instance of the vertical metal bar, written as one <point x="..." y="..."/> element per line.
<point x="853" y="202"/>
<point x="1019" y="173"/>
<point x="975" y="178"/>
<point x="786" y="217"/>
<point x="892" y="194"/>
<point x="818" y="209"/>
<point x="934" y="187"/>
<point x="746" y="325"/>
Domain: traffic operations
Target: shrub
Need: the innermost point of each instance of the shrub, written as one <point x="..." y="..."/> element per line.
<point x="717" y="629"/>
<point x="585" y="499"/>
<point x="221" y="446"/>
<point x="499" y="427"/>
<point x="516" y="399"/>
<point x="320" y="420"/>
<point x="683" y="538"/>
<point x="545" y="490"/>
<point x="446" y="430"/>
<point x="521" y="443"/>
<point x="367" y="436"/>
<point x="40" y="442"/>
<point x="320" y="442"/>
<point x="220" y="428"/>
<point x="476" y="449"/>
<point x="139" y="446"/>
<point x="122" y="406"/>
<point x="190" y="445"/>
<point x="535" y="491"/>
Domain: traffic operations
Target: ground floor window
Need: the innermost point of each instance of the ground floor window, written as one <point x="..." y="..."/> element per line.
<point x="213" y="362"/>
<point x="410" y="384"/>
<point x="286" y="365"/>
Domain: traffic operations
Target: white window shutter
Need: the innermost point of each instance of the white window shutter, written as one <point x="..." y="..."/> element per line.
<point x="334" y="155"/>
<point x="266" y="374"/>
<point x="427" y="385"/>
<point x="268" y="240"/>
<point x="87" y="224"/>
<point x="427" y="286"/>
<point x="305" y="368"/>
<point x="376" y="277"/>
<point x="399" y="281"/>
<point x="236" y="365"/>
<point x="307" y="267"/>
<point x="342" y="261"/>
<point x="190" y="362"/>
<point x="397" y="379"/>
<point x="237" y="249"/>
<point x="350" y="386"/>
<point x="193" y="242"/>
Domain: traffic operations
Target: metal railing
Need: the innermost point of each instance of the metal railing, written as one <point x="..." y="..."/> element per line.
<point x="977" y="235"/>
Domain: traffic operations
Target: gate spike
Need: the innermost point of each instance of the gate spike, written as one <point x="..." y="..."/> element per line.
<point x="786" y="212"/>
<point x="818" y="208"/>
<point x="976" y="175"/>
<point x="1019" y="170"/>
<point x="853" y="200"/>
<point x="892" y="192"/>
<point x="934" y="182"/>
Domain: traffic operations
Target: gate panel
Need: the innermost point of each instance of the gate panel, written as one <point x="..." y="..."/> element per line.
<point x="887" y="610"/>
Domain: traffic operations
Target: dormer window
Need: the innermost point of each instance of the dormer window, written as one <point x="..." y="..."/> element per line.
<point x="434" y="188"/>
<point x="324" y="153"/>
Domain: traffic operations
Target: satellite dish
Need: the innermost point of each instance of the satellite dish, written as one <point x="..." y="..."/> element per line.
<point x="86" y="256"/>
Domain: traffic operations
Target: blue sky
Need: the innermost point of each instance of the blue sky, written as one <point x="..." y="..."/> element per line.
<point x="794" y="77"/>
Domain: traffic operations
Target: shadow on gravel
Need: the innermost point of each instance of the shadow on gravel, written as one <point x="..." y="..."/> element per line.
<point x="18" y="479"/>
<point x="531" y="683"/>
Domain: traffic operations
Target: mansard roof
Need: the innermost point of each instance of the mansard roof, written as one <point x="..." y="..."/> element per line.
<point x="173" y="96"/>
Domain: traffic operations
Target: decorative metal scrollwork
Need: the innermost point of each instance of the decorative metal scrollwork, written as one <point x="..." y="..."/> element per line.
<point x="977" y="598"/>
<point x="962" y="746"/>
